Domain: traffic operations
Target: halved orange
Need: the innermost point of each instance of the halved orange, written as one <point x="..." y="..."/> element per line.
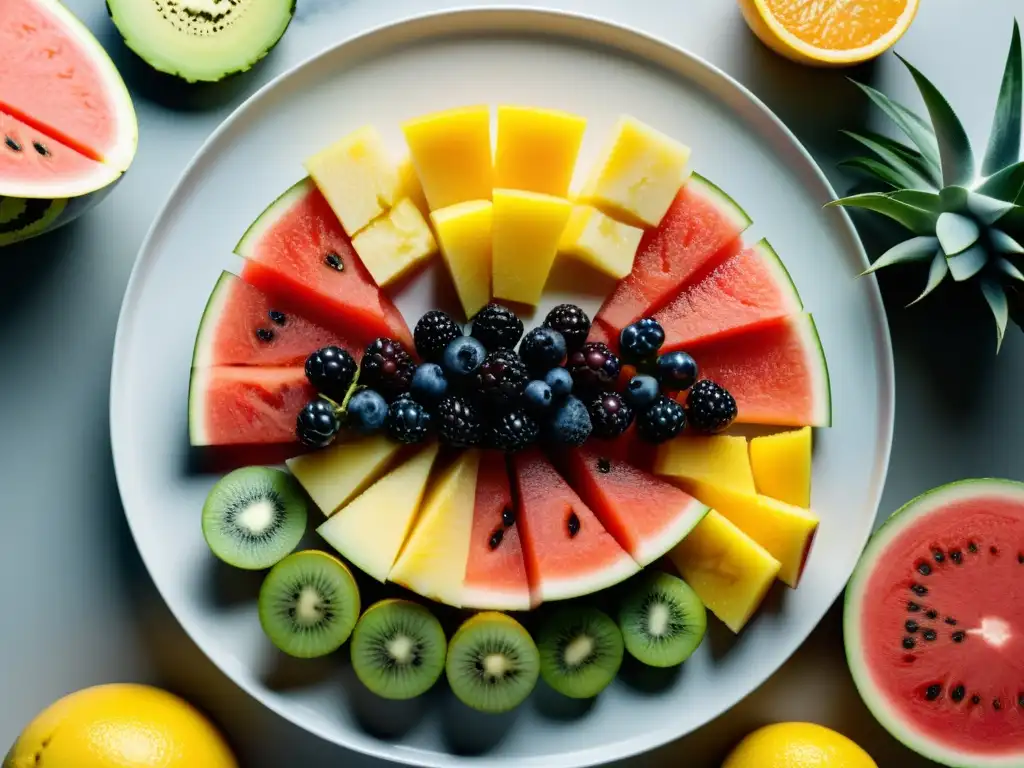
<point x="829" y="32"/>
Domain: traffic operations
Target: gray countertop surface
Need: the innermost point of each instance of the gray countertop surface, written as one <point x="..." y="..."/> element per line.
<point x="80" y="608"/>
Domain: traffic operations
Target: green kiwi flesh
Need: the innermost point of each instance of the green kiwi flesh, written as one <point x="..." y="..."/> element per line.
<point x="254" y="516"/>
<point x="398" y="649"/>
<point x="663" y="621"/>
<point x="493" y="663"/>
<point x="580" y="651"/>
<point x="308" y="604"/>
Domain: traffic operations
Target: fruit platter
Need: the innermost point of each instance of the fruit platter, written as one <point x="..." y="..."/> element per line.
<point x="506" y="398"/>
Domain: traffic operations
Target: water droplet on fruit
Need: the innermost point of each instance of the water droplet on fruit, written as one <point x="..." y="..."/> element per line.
<point x="956" y="556"/>
<point x="264" y="334"/>
<point x="508" y="517"/>
<point x="959" y="637"/>
<point x="909" y="642"/>
<point x="12" y="144"/>
<point x="932" y="614"/>
<point x="932" y="692"/>
<point x="333" y="261"/>
<point x="957" y="694"/>
<point x="911" y="625"/>
<point x="939" y="557"/>
<point x="919" y="589"/>
<point x="913" y="607"/>
<point x="604" y="466"/>
<point x="924" y="569"/>
<point x="573" y="524"/>
<point x="42" y="150"/>
<point x="495" y="541"/>
<point x="929" y="635"/>
<point x="277" y="318"/>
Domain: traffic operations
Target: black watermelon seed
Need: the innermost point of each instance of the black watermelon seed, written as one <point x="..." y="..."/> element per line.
<point x="41" y="149"/>
<point x="924" y="569"/>
<point x="333" y="261"/>
<point x="933" y="692"/>
<point x="909" y="642"/>
<point x="911" y="625"/>
<point x="993" y="551"/>
<point x="604" y="466"/>
<point x="1020" y="699"/>
<point x="972" y="547"/>
<point x="919" y="589"/>
<point x="574" y="524"/>
<point x="495" y="541"/>
<point x="975" y="699"/>
<point x="931" y="614"/>
<point x="264" y="334"/>
<point x="958" y="693"/>
<point x="939" y="557"/>
<point x="951" y="621"/>
<point x="508" y="517"/>
<point x="12" y="144"/>
<point x="956" y="556"/>
<point x="913" y="607"/>
<point x="959" y="637"/>
<point x="277" y="317"/>
<point x="997" y="704"/>
<point x="1020" y="558"/>
<point x="929" y="635"/>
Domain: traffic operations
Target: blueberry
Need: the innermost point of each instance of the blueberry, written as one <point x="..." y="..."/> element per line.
<point x="464" y="355"/>
<point x="542" y="349"/>
<point x="677" y="371"/>
<point x="367" y="411"/>
<point x="538" y="396"/>
<point x="641" y="339"/>
<point x="429" y="385"/>
<point x="571" y="424"/>
<point x="641" y="391"/>
<point x="317" y="423"/>
<point x="560" y="381"/>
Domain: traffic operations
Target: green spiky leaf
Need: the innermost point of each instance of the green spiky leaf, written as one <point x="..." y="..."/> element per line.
<point x="986" y="209"/>
<point x="1006" y="184"/>
<point x="937" y="272"/>
<point x="967" y="264"/>
<point x="1007" y="268"/>
<point x="1003" y="243"/>
<point x="909" y="155"/>
<point x="875" y="170"/>
<point x="955" y="153"/>
<point x="915" y="128"/>
<point x="908" y="174"/>
<point x="956" y="233"/>
<point x="918" y="221"/>
<point x="1004" y="140"/>
<point x="919" y="198"/>
<point x="914" y="249"/>
<point x="996" y="298"/>
<point x="954" y="199"/>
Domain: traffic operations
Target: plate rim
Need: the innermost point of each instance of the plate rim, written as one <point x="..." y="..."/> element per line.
<point x="617" y="35"/>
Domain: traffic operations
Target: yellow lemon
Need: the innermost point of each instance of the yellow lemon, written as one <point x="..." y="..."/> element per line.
<point x="120" y="726"/>
<point x="797" y="745"/>
<point x="829" y="32"/>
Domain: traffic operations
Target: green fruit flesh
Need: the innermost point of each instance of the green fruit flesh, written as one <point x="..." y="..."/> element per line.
<point x="398" y="649"/>
<point x="254" y="516"/>
<point x="308" y="604"/>
<point x="492" y="664"/>
<point x="201" y="40"/>
<point x="580" y="651"/>
<point x="21" y="219"/>
<point x="663" y="621"/>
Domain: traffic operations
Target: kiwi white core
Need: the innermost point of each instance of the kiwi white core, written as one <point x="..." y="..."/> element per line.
<point x="257" y="517"/>
<point x="658" y="619"/>
<point x="579" y="650"/>
<point x="402" y="649"/>
<point x="496" y="666"/>
<point x="309" y="609"/>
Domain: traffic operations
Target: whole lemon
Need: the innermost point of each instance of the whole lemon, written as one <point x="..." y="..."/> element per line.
<point x="797" y="745"/>
<point x="120" y="726"/>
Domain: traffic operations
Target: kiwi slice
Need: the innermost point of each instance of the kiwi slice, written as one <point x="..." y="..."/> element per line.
<point x="398" y="649"/>
<point x="580" y="651"/>
<point x="254" y="516"/>
<point x="492" y="663"/>
<point x="309" y="604"/>
<point x="662" y="620"/>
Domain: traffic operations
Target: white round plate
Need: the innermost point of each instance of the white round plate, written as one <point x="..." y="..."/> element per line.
<point x="383" y="77"/>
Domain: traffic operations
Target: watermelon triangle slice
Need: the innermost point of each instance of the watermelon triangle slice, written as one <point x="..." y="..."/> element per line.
<point x="646" y="515"/>
<point x="568" y="552"/>
<point x="297" y="253"/>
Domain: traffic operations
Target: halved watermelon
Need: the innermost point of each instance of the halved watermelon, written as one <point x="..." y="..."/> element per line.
<point x="702" y="227"/>
<point x="229" y="405"/>
<point x="646" y="515"/>
<point x="776" y="371"/>
<point x="496" y="572"/>
<point x="568" y="552"/>
<point x="241" y="326"/>
<point x="745" y="290"/>
<point x="934" y="624"/>
<point x="296" y="252"/>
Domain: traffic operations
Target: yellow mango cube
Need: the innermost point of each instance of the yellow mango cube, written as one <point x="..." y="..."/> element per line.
<point x="600" y="241"/>
<point x="537" y="149"/>
<point x="451" y="152"/>
<point x="409" y="186"/>
<point x="730" y="571"/>
<point x="464" y="233"/>
<point x="782" y="466"/>
<point x="720" y="460"/>
<point x="638" y="175"/>
<point x="357" y="177"/>
<point x="527" y="229"/>
<point x="396" y="243"/>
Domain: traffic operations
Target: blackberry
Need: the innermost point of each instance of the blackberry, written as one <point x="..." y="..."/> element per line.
<point x="408" y="421"/>
<point x="331" y="371"/>
<point x="662" y="421"/>
<point x="387" y="368"/>
<point x="570" y="321"/>
<point x="317" y="423"/>
<point x="435" y="331"/>
<point x="513" y="431"/>
<point x="457" y="422"/>
<point x="609" y="415"/>
<point x="594" y="367"/>
<point x="710" y="407"/>
<point x="501" y="379"/>
<point x="497" y="327"/>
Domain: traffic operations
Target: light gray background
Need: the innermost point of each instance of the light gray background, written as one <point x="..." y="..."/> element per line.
<point x="79" y="608"/>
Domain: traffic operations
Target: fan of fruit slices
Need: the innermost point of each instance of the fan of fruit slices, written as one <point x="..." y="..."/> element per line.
<point x="486" y="465"/>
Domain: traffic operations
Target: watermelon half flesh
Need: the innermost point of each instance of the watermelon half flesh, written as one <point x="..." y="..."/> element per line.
<point x="934" y="624"/>
<point x="568" y="552"/>
<point x="745" y="290"/>
<point x="297" y="252"/>
<point x="242" y="326"/>
<point x="702" y="227"/>
<point x="776" y="371"/>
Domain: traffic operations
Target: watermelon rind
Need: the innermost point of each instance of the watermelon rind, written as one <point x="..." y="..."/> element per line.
<point x="856" y="595"/>
<point x="22" y="218"/>
<point x="488" y="599"/>
<point x="720" y="200"/>
<point x="817" y="367"/>
<point x="197" y="387"/>
<point x="685" y="521"/>
<point x="202" y="351"/>
<point x="271" y="215"/>
<point x="550" y="589"/>
<point x="781" y="278"/>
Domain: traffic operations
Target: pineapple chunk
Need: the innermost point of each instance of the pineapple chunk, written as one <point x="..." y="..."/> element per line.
<point x="537" y="149"/>
<point x="607" y="245"/>
<point x="720" y="460"/>
<point x="433" y="560"/>
<point x="782" y="466"/>
<point x="451" y="152"/>
<point x="396" y="243"/>
<point x="730" y="571"/>
<point x="409" y="186"/>
<point x="527" y="229"/>
<point x="638" y="175"/>
<point x="357" y="177"/>
<point x="464" y="233"/>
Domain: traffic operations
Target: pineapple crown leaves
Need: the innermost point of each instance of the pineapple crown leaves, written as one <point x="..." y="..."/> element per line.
<point x="966" y="218"/>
